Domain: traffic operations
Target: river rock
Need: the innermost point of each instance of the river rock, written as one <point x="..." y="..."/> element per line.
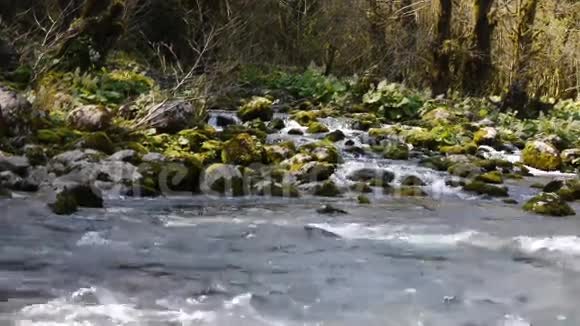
<point x="242" y="149"/>
<point x="494" y="177"/>
<point x="482" y="188"/>
<point x="314" y="171"/>
<point x="327" y="189"/>
<point x="487" y="136"/>
<point x="541" y="155"/>
<point x="412" y="180"/>
<point x="395" y="150"/>
<point x="224" y="179"/>
<point x="17" y="115"/>
<point x="90" y="118"/>
<point x="548" y="203"/>
<point x="171" y="117"/>
<point x="16" y="164"/>
<point x="316" y="128"/>
<point x="258" y="108"/>
<point x="83" y="193"/>
<point x="571" y="157"/>
<point x="335" y="136"/>
<point x="378" y="176"/>
<point x="12" y="181"/>
<point x="275" y="189"/>
<point x="412" y="191"/>
<point x="330" y="210"/>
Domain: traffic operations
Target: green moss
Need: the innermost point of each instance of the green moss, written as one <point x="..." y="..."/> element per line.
<point x="305" y="118"/>
<point x="463" y="170"/>
<point x="335" y="136"/>
<point x="486" y="136"/>
<point x="411" y="191"/>
<point x="549" y="204"/>
<point x="396" y="151"/>
<point x="191" y="139"/>
<point x="322" y="151"/>
<point x="436" y="163"/>
<point x="98" y="141"/>
<point x="257" y="108"/>
<point x="363" y="200"/>
<point x="316" y="128"/>
<point x="483" y="188"/>
<point x="137" y="147"/>
<point x="494" y="177"/>
<point x="383" y="132"/>
<point x="469" y="148"/>
<point x="422" y="139"/>
<point x="57" y="136"/>
<point x="361" y="187"/>
<point x="65" y="204"/>
<point x="243" y="149"/>
<point x="277" y="124"/>
<point x="547" y="159"/>
<point x="36" y="155"/>
<point x="570" y="190"/>
<point x="327" y="189"/>
<point x="412" y="180"/>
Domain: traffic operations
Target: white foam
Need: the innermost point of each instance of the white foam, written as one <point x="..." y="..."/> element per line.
<point x="93" y="239"/>
<point x="564" y="244"/>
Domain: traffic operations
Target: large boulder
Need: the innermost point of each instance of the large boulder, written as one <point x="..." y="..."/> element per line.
<point x="243" y="149"/>
<point x="257" y="108"/>
<point x="224" y="179"/>
<point x="171" y="117"/>
<point x="548" y="203"/>
<point x="541" y="155"/>
<point x="16" y="114"/>
<point x="16" y="164"/>
<point x="90" y="118"/>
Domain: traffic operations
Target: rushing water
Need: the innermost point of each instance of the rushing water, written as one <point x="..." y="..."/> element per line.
<point x="450" y="259"/>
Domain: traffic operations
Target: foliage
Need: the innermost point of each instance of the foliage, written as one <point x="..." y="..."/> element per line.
<point x="393" y="101"/>
<point x="309" y="84"/>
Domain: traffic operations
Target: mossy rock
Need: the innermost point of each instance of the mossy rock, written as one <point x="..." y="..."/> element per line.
<point x="494" y="177"/>
<point x="361" y="187"/>
<point x="365" y="121"/>
<point x="436" y="163"/>
<point x="486" y="136"/>
<point x="363" y="200"/>
<point x="225" y="179"/>
<point x="396" y="151"/>
<point x="276" y="189"/>
<point x="382" y="133"/>
<point x="568" y="190"/>
<point x="464" y="170"/>
<point x="5" y="193"/>
<point x="57" y="136"/>
<point x="313" y="171"/>
<point x="422" y="139"/>
<point x="541" y="155"/>
<point x="36" y="155"/>
<point x="327" y="189"/>
<point x="494" y="164"/>
<point x="279" y="153"/>
<point x="192" y="139"/>
<point x="295" y="132"/>
<point x="548" y="203"/>
<point x="469" y="148"/>
<point x="439" y="116"/>
<point x="335" y="136"/>
<point x="316" y="128"/>
<point x="510" y="201"/>
<point x="376" y="177"/>
<point x="322" y="151"/>
<point x="482" y="188"/>
<point x="98" y="141"/>
<point x="231" y="131"/>
<point x="243" y="149"/>
<point x="412" y="180"/>
<point x="65" y="204"/>
<point x="412" y="191"/>
<point x="305" y="118"/>
<point x="277" y="124"/>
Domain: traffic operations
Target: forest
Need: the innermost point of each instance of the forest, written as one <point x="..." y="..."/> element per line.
<point x="444" y="77"/>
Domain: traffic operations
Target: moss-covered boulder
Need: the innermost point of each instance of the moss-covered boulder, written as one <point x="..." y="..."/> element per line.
<point x="335" y="136"/>
<point x="279" y="153"/>
<point x="322" y="151"/>
<point x="305" y="118"/>
<point x="482" y="188"/>
<point x="438" y="116"/>
<point x="464" y="170"/>
<point x="327" y="189"/>
<point x="495" y="164"/>
<point x="243" y="149"/>
<point x="172" y="116"/>
<point x="316" y="128"/>
<point x="275" y="189"/>
<point x="382" y="133"/>
<point x="363" y="200"/>
<point x="568" y="190"/>
<point x="422" y="139"/>
<point x="90" y="118"/>
<point x="436" y="163"/>
<point x="494" y="177"/>
<point x="365" y="121"/>
<point x="313" y="171"/>
<point x="98" y="141"/>
<point x="17" y="116"/>
<point x="277" y="124"/>
<point x="487" y="136"/>
<point x="258" y="108"/>
<point x="396" y="151"/>
<point x="361" y="187"/>
<point x="192" y="139"/>
<point x="411" y="191"/>
<point x="548" y="203"/>
<point x="469" y="148"/>
<point x="225" y="179"/>
<point x="412" y="180"/>
<point x="541" y="155"/>
<point x="65" y="204"/>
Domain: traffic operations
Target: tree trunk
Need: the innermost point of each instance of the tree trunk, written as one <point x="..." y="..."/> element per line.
<point x="441" y="75"/>
<point x="478" y="67"/>
<point x="517" y="97"/>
